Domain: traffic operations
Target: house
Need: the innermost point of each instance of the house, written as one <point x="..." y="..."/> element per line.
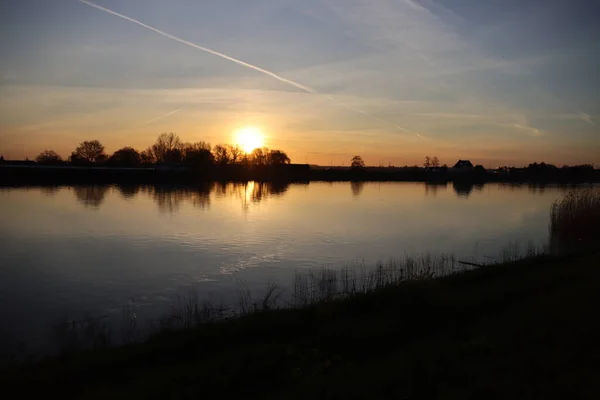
<point x="462" y="166"/>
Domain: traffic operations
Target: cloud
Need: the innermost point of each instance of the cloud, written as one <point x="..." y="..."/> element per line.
<point x="580" y="116"/>
<point x="278" y="77"/>
<point x="451" y="115"/>
<point x="532" y="131"/>
<point x="416" y="6"/>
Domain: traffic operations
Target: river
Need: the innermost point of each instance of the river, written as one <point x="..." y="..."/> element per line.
<point x="79" y="251"/>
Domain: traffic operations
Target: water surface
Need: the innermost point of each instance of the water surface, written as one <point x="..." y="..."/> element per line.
<point x="88" y="250"/>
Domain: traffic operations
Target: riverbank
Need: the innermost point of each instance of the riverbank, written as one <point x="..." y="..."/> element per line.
<point x="525" y="329"/>
<point x="32" y="173"/>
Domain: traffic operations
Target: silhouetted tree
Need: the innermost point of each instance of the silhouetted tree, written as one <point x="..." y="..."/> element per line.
<point x="147" y="156"/>
<point x="76" y="159"/>
<point x="541" y="166"/>
<point x="357" y="162"/>
<point x="1" y="158"/>
<point x="48" y="157"/>
<point x="235" y="154"/>
<point x="435" y="162"/>
<point x="127" y="156"/>
<point x="277" y="157"/>
<point x="221" y="154"/>
<point x="427" y="163"/>
<point x="197" y="154"/>
<point x="259" y="156"/>
<point x="167" y="149"/>
<point x="91" y="151"/>
<point x="174" y="156"/>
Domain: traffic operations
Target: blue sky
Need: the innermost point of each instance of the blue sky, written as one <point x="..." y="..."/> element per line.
<point x="496" y="81"/>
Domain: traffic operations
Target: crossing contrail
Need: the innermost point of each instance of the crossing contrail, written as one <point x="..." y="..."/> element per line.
<point x="280" y="78"/>
<point x="161" y="116"/>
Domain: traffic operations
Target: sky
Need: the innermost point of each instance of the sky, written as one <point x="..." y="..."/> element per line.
<point x="499" y="82"/>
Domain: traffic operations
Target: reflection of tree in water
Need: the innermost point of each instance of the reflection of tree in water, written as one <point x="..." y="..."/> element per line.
<point x="129" y="191"/>
<point x="357" y="187"/>
<point x="222" y="188"/>
<point x="250" y="192"/>
<point x="49" y="190"/>
<point x="431" y="189"/>
<point x="263" y="190"/>
<point x="90" y="196"/>
<point x="170" y="198"/>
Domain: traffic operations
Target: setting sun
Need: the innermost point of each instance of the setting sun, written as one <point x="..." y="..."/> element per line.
<point x="249" y="138"/>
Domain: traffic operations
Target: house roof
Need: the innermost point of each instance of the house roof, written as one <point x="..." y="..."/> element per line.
<point x="463" y="164"/>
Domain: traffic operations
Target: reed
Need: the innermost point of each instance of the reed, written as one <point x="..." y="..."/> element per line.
<point x="575" y="220"/>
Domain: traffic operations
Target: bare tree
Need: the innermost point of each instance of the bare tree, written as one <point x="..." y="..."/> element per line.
<point x="147" y="156"/>
<point x="427" y="163"/>
<point x="168" y="148"/>
<point x="435" y="162"/>
<point x="48" y="157"/>
<point x="90" y="151"/>
<point x="221" y="154"/>
<point x="201" y="145"/>
<point x="235" y="154"/>
<point x="357" y="162"/>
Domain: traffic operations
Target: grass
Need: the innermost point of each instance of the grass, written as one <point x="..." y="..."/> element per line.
<point x="308" y="288"/>
<point x="575" y="219"/>
<point x="523" y="329"/>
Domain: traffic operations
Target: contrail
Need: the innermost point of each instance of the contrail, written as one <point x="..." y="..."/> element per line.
<point x="161" y="116"/>
<point x="205" y="49"/>
<point x="280" y="78"/>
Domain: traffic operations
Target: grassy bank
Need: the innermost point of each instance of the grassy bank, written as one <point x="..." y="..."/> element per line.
<point x="525" y="329"/>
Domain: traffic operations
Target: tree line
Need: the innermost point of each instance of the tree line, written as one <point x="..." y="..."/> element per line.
<point x="167" y="150"/>
<point x="357" y="162"/>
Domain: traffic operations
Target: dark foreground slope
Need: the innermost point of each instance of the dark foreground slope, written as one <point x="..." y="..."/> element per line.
<point x="523" y="330"/>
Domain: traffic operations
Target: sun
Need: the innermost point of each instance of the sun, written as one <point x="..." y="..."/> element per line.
<point x="249" y="138"/>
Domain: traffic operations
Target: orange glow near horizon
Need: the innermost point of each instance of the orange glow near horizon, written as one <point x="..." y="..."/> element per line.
<point x="249" y="138"/>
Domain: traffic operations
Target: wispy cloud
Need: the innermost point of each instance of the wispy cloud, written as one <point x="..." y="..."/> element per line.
<point x="587" y="118"/>
<point x="451" y="115"/>
<point x="416" y="6"/>
<point x="580" y="116"/>
<point x="531" y="130"/>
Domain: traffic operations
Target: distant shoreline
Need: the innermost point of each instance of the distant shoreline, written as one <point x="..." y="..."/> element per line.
<point x="15" y="174"/>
